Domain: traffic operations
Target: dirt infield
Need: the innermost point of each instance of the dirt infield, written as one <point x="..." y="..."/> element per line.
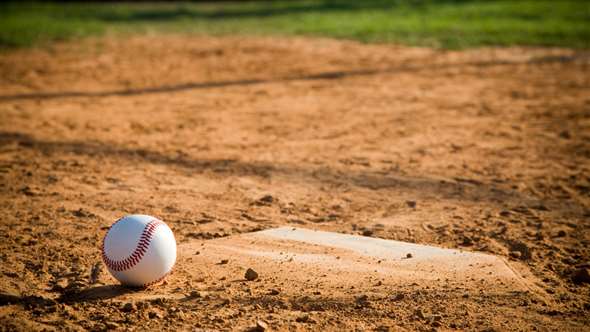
<point x="485" y="150"/>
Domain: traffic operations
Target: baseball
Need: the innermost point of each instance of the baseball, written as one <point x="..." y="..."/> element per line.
<point x="139" y="250"/>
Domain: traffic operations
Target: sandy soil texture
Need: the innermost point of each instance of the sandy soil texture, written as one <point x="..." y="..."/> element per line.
<point x="485" y="150"/>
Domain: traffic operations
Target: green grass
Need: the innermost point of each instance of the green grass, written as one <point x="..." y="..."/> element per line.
<point x="437" y="23"/>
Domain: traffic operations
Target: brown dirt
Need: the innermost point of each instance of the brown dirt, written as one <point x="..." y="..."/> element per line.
<point x="486" y="150"/>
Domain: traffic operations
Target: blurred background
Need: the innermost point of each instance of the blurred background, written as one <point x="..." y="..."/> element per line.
<point x="451" y="24"/>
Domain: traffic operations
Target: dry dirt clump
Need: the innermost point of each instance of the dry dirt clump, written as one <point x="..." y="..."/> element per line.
<point x="484" y="150"/>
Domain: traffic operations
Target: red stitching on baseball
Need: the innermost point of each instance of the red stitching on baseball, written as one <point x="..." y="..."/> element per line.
<point x="148" y="284"/>
<point x="140" y="249"/>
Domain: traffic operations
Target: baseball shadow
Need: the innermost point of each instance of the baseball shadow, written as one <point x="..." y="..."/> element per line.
<point x="96" y="293"/>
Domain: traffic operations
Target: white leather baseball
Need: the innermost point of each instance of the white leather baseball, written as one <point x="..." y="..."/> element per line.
<point x="139" y="250"/>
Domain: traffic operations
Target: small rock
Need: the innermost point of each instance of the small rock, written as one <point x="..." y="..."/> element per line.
<point x="368" y="232"/>
<point x="304" y="319"/>
<point x="61" y="284"/>
<point x="525" y="251"/>
<point x="265" y="200"/>
<point x="569" y="261"/>
<point x="274" y="292"/>
<point x="261" y="326"/>
<point x="582" y="276"/>
<point x="251" y="275"/>
<point x="154" y="315"/>
<point x="540" y="207"/>
<point x="362" y="300"/>
<point x="28" y="191"/>
<point x="411" y="204"/>
<point x="74" y="287"/>
<point x="180" y="315"/>
<point x="420" y="314"/>
<point x="143" y="305"/>
<point x="129" y="307"/>
<point x="224" y="261"/>
<point x="561" y="233"/>
<point x="81" y="213"/>
<point x="398" y="297"/>
<point x="515" y="254"/>
<point x="565" y="134"/>
<point x="70" y="312"/>
<point x="467" y="241"/>
<point x="409" y="255"/>
<point x="333" y="216"/>
<point x="111" y="325"/>
<point x="195" y="294"/>
<point x="95" y="273"/>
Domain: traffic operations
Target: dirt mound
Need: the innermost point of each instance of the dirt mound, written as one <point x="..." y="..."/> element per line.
<point x="484" y="150"/>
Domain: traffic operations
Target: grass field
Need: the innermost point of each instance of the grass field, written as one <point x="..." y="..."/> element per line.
<point x="442" y="23"/>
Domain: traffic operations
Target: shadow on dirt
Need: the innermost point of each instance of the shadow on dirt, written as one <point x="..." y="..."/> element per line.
<point x="336" y="179"/>
<point x="95" y="293"/>
<point x="87" y="294"/>
<point x="27" y="301"/>
<point x="333" y="75"/>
